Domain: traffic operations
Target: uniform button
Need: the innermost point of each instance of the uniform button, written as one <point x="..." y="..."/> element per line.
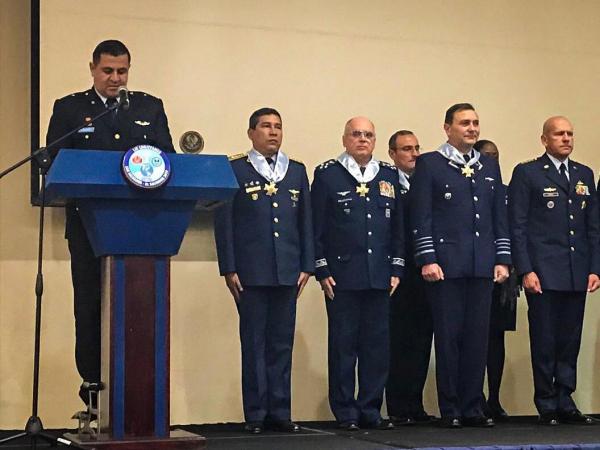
<point x="368" y="199"/>
<point x="477" y="233"/>
<point x="572" y="249"/>
<point x="571" y="232"/>
<point x="473" y="181"/>
<point x="477" y="216"/>
<point x="275" y="204"/>
<point x="570" y="201"/>
<point x="117" y="136"/>
<point x="87" y="136"/>
<point x="276" y="220"/>
<point x="369" y="251"/>
<point x="276" y="234"/>
<point x="144" y="136"/>
<point x="369" y="216"/>
<point x="339" y="257"/>
<point x="475" y="198"/>
<point x="370" y="233"/>
<point x="441" y="241"/>
<point x="571" y="216"/>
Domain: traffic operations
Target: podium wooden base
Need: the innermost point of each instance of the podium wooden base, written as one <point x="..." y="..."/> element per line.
<point x="178" y="440"/>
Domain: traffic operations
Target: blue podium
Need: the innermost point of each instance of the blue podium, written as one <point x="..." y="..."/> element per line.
<point x="136" y="232"/>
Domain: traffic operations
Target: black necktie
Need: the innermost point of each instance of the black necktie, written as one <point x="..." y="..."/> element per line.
<point x="563" y="171"/>
<point x="362" y="170"/>
<point x="467" y="156"/>
<point x="110" y="102"/>
<point x="271" y="163"/>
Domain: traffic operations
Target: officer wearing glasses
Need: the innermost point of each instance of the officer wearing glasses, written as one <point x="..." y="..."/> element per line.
<point x="358" y="223"/>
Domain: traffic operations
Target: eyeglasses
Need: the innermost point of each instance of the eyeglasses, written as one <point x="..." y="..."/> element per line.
<point x="360" y="133"/>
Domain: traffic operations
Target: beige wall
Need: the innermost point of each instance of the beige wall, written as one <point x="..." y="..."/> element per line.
<point x="213" y="62"/>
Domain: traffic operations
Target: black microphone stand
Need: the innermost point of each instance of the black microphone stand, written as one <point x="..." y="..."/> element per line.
<point x="34" y="428"/>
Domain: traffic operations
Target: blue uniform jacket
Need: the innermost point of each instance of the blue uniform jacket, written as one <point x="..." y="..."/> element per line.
<point x="554" y="227"/>
<point x="459" y="222"/>
<point x="267" y="240"/>
<point x="359" y="241"/>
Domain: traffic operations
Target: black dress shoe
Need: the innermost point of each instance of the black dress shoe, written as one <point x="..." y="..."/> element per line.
<point x="380" y="424"/>
<point x="402" y="420"/>
<point x="575" y="417"/>
<point x="549" y="419"/>
<point x="286" y="426"/>
<point x="348" y="426"/>
<point x="450" y="422"/>
<point x="478" y="421"/>
<point x="254" y="427"/>
<point x="496" y="412"/>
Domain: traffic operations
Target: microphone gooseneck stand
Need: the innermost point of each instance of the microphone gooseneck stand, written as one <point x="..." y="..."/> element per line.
<point x="34" y="428"/>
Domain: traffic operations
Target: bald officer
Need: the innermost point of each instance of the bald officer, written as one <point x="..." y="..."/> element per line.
<point x="357" y="214"/>
<point x="555" y="233"/>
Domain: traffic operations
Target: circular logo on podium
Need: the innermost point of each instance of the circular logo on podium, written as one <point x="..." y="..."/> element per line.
<point x="146" y="167"/>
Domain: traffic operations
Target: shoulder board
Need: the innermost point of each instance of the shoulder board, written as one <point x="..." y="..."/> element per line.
<point x="326" y="164"/>
<point x="528" y="161"/>
<point x="387" y="164"/>
<point x="141" y="94"/>
<point x="295" y="160"/>
<point x="237" y="156"/>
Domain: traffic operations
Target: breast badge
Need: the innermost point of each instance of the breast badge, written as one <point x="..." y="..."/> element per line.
<point x="581" y="189"/>
<point x="271" y="188"/>
<point x="386" y="189"/>
<point x="550" y="204"/>
<point x="550" y="192"/>
<point x="362" y="190"/>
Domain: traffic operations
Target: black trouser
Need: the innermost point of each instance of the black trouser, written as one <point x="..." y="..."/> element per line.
<point x="411" y="333"/>
<point x="555" y="327"/>
<point x="358" y="329"/>
<point x="85" y="273"/>
<point x="461" y="312"/>
<point x="267" y="324"/>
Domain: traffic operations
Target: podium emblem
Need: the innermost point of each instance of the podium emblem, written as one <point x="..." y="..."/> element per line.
<point x="146" y="167"/>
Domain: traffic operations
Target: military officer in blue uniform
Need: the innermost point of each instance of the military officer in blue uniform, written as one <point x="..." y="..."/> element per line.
<point x="555" y="233"/>
<point x="266" y="254"/>
<point x="357" y="214"/>
<point x="411" y="326"/>
<point x="144" y="122"/>
<point x="459" y="225"/>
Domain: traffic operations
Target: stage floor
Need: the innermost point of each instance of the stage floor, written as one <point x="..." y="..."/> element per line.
<point x="520" y="433"/>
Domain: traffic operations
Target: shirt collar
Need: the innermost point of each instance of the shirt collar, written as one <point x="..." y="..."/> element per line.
<point x="558" y="162"/>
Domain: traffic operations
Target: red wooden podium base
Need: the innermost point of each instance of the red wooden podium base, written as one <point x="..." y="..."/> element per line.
<point x="178" y="440"/>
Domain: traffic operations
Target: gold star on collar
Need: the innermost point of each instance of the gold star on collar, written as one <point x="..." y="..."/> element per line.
<point x="467" y="171"/>
<point x="271" y="188"/>
<point x="362" y="190"/>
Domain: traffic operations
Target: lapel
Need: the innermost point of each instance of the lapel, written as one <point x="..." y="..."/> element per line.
<point x="553" y="175"/>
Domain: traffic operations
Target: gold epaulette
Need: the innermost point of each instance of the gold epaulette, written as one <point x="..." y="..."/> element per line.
<point x="387" y="164"/>
<point x="296" y="160"/>
<point x="528" y="161"/>
<point x="237" y="156"/>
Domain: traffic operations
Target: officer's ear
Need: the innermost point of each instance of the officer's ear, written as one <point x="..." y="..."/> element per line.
<point x="447" y="128"/>
<point x="544" y="140"/>
<point x="92" y="67"/>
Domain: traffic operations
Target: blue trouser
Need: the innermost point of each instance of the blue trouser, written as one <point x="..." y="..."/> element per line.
<point x="267" y="323"/>
<point x="555" y="327"/>
<point x="358" y="333"/>
<point x="461" y="314"/>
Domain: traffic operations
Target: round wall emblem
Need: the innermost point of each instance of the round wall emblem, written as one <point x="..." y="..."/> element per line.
<point x="146" y="167"/>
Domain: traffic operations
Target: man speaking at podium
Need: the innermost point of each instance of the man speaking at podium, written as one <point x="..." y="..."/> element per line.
<point x="141" y="120"/>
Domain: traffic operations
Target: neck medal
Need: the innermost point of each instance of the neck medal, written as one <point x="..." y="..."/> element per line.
<point x="362" y="190"/>
<point x="467" y="171"/>
<point x="270" y="188"/>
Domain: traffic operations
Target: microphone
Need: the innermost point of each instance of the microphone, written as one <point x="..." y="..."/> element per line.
<point x="123" y="98"/>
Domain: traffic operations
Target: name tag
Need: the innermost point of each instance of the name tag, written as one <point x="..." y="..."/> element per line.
<point x="550" y="194"/>
<point x="87" y="130"/>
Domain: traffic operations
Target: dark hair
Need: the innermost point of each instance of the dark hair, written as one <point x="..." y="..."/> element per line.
<point x="481" y="143"/>
<point x="393" y="137"/>
<point x="111" y="47"/>
<point x="259" y="113"/>
<point x="456" y="108"/>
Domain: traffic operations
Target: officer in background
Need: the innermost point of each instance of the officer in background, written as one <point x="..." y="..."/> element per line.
<point x="411" y="327"/>
<point x="144" y="122"/>
<point x="265" y="249"/>
<point x="357" y="214"/>
<point x="459" y="224"/>
<point x="503" y="318"/>
<point x="555" y="233"/>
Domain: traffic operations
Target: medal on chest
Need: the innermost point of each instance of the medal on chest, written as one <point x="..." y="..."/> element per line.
<point x="271" y="188"/>
<point x="362" y="189"/>
<point x="467" y="171"/>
